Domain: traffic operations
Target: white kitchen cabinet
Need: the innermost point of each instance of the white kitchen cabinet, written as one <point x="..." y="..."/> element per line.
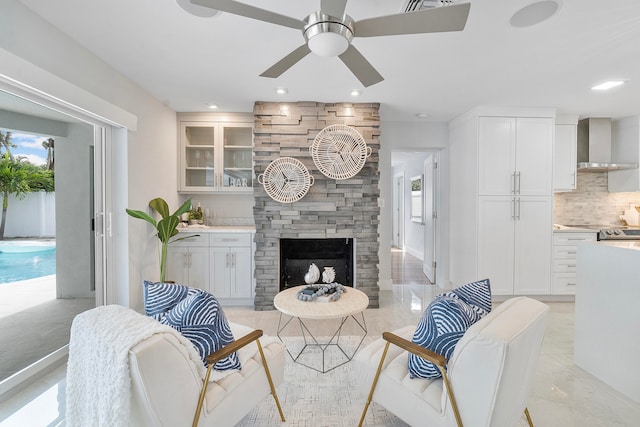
<point x="514" y="244"/>
<point x="501" y="198"/>
<point x="188" y="261"/>
<point x="565" y="157"/>
<point x="515" y="156"/>
<point x="565" y="260"/>
<point x="625" y="148"/>
<point x="231" y="267"/>
<point x="215" y="153"/>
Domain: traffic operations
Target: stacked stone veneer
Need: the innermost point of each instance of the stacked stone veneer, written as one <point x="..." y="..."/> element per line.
<point x="331" y="209"/>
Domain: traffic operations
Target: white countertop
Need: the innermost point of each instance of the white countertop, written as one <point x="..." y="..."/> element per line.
<point x="565" y="229"/>
<point x="217" y="229"/>
<point x="622" y="244"/>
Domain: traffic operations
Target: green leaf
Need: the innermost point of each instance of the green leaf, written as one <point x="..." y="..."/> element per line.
<point x="185" y="237"/>
<point x="166" y="227"/>
<point x="184" y="208"/>
<point x="141" y="215"/>
<point x="159" y="205"/>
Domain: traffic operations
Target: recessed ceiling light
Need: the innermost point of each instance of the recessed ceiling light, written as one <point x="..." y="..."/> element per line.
<point x="356" y="92"/>
<point x="197" y="10"/>
<point x="608" y="85"/>
<point x="534" y="13"/>
<point x="213" y="106"/>
<point x="282" y="90"/>
<point x="422" y="115"/>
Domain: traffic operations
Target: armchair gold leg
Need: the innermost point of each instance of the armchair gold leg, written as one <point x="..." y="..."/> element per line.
<point x="273" y="389"/>
<point x="205" y="384"/>
<point x="375" y="382"/>
<point x="452" y="399"/>
<point x="529" y="420"/>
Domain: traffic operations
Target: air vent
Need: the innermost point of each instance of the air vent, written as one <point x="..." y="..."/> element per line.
<point x="414" y="5"/>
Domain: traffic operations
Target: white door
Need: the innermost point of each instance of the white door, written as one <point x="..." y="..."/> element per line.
<point x="241" y="272"/>
<point x="534" y="152"/>
<point x="398" y="203"/>
<point x="533" y="243"/>
<point x="495" y="242"/>
<point x="496" y="155"/>
<point x="430" y="217"/>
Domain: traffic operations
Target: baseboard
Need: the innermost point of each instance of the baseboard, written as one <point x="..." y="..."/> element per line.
<point x="28" y="375"/>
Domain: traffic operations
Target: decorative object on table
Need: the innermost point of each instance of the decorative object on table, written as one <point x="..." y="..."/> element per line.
<point x="313" y="275"/>
<point x="329" y="275"/>
<point x="286" y="180"/>
<point x="166" y="228"/>
<point x="339" y="151"/>
<point x="326" y="292"/>
<point x="196" y="216"/>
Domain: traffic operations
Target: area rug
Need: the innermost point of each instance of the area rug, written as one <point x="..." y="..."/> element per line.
<point x="313" y="399"/>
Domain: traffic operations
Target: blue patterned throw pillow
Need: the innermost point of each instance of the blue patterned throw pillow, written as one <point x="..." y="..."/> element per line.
<point x="201" y="320"/>
<point x="445" y="321"/>
<point x="160" y="297"/>
<point x="477" y="294"/>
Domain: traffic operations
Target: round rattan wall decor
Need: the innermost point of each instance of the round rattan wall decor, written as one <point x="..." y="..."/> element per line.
<point x="286" y="180"/>
<point x="339" y="151"/>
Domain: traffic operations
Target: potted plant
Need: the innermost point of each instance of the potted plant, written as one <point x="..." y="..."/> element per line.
<point x="167" y="227"/>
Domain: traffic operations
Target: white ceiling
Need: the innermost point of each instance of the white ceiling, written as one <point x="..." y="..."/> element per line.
<point x="186" y="61"/>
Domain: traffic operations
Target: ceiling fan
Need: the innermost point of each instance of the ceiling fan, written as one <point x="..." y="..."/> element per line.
<point x="329" y="31"/>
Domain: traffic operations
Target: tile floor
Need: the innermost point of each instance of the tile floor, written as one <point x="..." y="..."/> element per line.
<point x="563" y="395"/>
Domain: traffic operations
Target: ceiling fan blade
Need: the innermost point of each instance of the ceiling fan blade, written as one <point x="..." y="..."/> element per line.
<point x="287" y="62"/>
<point x="360" y="67"/>
<point x="253" y="12"/>
<point x="436" y="20"/>
<point x="334" y="8"/>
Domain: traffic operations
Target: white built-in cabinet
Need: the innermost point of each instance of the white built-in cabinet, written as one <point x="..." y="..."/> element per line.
<point x="502" y="200"/>
<point x="215" y="153"/>
<point x="625" y="148"/>
<point x="188" y="261"/>
<point x="565" y="260"/>
<point x="220" y="263"/>
<point x="231" y="266"/>
<point x="565" y="155"/>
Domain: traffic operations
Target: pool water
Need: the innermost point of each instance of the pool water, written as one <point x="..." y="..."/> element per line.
<point x="26" y="262"/>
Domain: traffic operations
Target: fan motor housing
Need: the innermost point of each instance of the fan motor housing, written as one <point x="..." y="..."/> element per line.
<point x="327" y="35"/>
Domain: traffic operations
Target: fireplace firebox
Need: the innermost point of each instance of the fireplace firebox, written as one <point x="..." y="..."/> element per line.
<point x="296" y="255"/>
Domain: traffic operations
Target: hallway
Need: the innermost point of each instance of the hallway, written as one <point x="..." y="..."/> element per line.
<point x="406" y="269"/>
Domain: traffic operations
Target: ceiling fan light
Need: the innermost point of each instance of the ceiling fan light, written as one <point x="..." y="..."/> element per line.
<point x="328" y="44"/>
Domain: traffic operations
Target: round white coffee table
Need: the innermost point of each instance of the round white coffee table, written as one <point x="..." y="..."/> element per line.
<point x="351" y="303"/>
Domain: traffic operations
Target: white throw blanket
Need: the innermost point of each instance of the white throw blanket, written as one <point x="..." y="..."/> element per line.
<point x="98" y="380"/>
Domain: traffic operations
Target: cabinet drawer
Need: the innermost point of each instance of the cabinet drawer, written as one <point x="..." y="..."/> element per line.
<point x="564" y="283"/>
<point x="194" y="239"/>
<point x="573" y="238"/>
<point x="565" y="252"/>
<point x="231" y="239"/>
<point x="564" y="266"/>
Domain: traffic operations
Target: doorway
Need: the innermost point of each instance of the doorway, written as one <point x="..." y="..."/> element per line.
<point x="415" y="227"/>
<point x="36" y="335"/>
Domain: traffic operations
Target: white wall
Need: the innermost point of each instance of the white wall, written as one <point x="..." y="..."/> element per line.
<point x="33" y="216"/>
<point x="151" y="151"/>
<point x="404" y="136"/>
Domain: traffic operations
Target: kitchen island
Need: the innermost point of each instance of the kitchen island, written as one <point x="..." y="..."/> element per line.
<point x="607" y="316"/>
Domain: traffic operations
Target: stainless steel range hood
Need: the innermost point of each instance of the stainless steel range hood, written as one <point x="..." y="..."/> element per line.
<point x="594" y="147"/>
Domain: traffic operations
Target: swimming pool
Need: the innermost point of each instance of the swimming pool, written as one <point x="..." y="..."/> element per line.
<point x="26" y="260"/>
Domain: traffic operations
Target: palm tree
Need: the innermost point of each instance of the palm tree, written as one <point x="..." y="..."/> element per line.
<point x="48" y="145"/>
<point x="20" y="177"/>
<point x="5" y="142"/>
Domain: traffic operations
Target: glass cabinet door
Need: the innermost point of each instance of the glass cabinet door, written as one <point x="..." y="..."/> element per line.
<point x="199" y="155"/>
<point x="237" y="155"/>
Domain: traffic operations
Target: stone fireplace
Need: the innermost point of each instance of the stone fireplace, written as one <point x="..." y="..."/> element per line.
<point x="332" y="209"/>
<point x="296" y="255"/>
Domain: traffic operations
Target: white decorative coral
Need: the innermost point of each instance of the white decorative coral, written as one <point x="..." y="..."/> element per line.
<point x="329" y="275"/>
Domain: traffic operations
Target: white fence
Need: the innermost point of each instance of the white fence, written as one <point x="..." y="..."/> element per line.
<point x="33" y="216"/>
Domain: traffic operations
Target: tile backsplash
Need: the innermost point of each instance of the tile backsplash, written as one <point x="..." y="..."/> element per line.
<point x="591" y="202"/>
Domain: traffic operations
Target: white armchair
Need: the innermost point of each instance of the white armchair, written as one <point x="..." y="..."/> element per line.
<point x="486" y="382"/>
<point x="127" y="369"/>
